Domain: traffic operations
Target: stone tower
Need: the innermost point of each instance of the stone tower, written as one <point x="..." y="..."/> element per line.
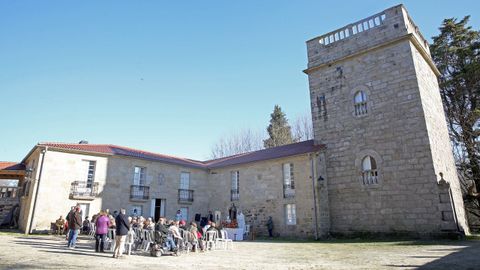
<point x="376" y="106"/>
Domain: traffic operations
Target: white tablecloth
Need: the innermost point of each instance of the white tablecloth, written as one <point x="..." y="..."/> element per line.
<point x="235" y="234"/>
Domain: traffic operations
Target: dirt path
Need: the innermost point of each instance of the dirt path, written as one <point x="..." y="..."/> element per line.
<point x="49" y="252"/>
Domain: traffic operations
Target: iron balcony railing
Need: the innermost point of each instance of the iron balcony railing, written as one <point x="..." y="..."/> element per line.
<point x="83" y="190"/>
<point x="8" y="192"/>
<point x="288" y="191"/>
<point x="139" y="192"/>
<point x="185" y="195"/>
<point x="234" y="195"/>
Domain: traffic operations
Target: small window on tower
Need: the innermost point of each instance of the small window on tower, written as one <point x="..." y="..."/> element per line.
<point x="360" y="103"/>
<point x="369" y="171"/>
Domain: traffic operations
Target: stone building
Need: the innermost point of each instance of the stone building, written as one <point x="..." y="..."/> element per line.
<point x="376" y="106"/>
<point x="381" y="160"/>
<point x="272" y="182"/>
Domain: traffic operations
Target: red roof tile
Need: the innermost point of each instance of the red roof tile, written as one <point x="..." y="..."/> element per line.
<point x="271" y="153"/>
<point x="266" y="154"/>
<point x="11" y="166"/>
<point x="111" y="149"/>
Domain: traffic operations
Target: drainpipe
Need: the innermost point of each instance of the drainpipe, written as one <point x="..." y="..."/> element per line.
<point x="38" y="188"/>
<point x="314" y="194"/>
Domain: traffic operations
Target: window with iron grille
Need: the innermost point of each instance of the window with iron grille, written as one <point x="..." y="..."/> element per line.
<point x="369" y="171"/>
<point x="290" y="214"/>
<point x="90" y="172"/>
<point x="235" y="181"/>
<point x="360" y="103"/>
<point x="288" y="181"/>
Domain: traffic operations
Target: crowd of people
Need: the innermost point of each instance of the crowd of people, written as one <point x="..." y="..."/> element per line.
<point x="172" y="231"/>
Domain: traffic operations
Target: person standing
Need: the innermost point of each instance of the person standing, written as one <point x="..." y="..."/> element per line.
<point x="74" y="223"/>
<point x="101" y="224"/>
<point x="210" y="216"/>
<point x="178" y="216"/>
<point x="122" y="227"/>
<point x="270" y="226"/>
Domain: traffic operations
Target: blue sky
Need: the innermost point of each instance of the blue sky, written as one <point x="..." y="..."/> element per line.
<point x="165" y="76"/>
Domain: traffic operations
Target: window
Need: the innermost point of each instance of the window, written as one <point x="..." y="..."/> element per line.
<point x="322" y="107"/>
<point x="360" y="103"/>
<point x="137" y="210"/>
<point x="139" y="176"/>
<point x="184" y="212"/>
<point x="185" y="180"/>
<point x="288" y="181"/>
<point x="235" y="191"/>
<point x="369" y="171"/>
<point x="90" y="172"/>
<point x="290" y="214"/>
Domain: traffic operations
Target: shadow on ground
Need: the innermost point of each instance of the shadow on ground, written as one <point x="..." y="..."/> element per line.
<point x="49" y="245"/>
<point x="465" y="256"/>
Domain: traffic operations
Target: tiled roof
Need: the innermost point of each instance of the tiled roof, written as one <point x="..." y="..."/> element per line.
<point x="11" y="166"/>
<point x="111" y="149"/>
<point x="266" y="154"/>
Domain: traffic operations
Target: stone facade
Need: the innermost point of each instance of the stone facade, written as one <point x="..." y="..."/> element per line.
<point x="262" y="195"/>
<point x="261" y="189"/>
<point x="401" y="125"/>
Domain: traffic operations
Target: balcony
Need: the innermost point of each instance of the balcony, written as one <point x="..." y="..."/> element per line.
<point x="139" y="193"/>
<point x="83" y="190"/>
<point x="185" y="196"/>
<point x="8" y="192"/>
<point x="288" y="191"/>
<point x="234" y="195"/>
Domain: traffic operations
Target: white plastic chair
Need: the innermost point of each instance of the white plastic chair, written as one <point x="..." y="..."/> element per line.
<point x="211" y="239"/>
<point x="225" y="240"/>
<point x="130" y="241"/>
<point x="93" y="229"/>
<point x="111" y="239"/>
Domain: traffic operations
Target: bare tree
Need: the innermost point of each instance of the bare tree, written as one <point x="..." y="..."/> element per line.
<point x="302" y="128"/>
<point x="238" y="142"/>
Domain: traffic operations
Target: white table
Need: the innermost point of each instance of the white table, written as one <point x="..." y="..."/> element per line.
<point x="236" y="234"/>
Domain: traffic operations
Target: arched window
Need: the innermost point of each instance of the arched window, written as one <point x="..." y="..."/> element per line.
<point x="369" y="171"/>
<point x="360" y="103"/>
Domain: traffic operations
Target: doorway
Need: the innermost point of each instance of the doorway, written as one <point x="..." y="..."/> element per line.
<point x="158" y="208"/>
<point x="84" y="208"/>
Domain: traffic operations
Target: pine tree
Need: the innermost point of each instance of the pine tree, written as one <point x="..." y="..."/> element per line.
<point x="456" y="52"/>
<point x="279" y="130"/>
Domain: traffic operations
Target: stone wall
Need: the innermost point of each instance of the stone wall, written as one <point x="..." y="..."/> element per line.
<point x="439" y="140"/>
<point x="26" y="200"/>
<point x="60" y="169"/>
<point x="261" y="195"/>
<point x="380" y="62"/>
<point x="120" y="177"/>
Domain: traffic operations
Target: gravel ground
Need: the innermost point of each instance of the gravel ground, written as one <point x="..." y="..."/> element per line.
<point x="18" y="251"/>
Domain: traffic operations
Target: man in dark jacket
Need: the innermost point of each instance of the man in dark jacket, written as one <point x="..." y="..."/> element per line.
<point x="123" y="225"/>
<point x="163" y="232"/>
<point x="74" y="224"/>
